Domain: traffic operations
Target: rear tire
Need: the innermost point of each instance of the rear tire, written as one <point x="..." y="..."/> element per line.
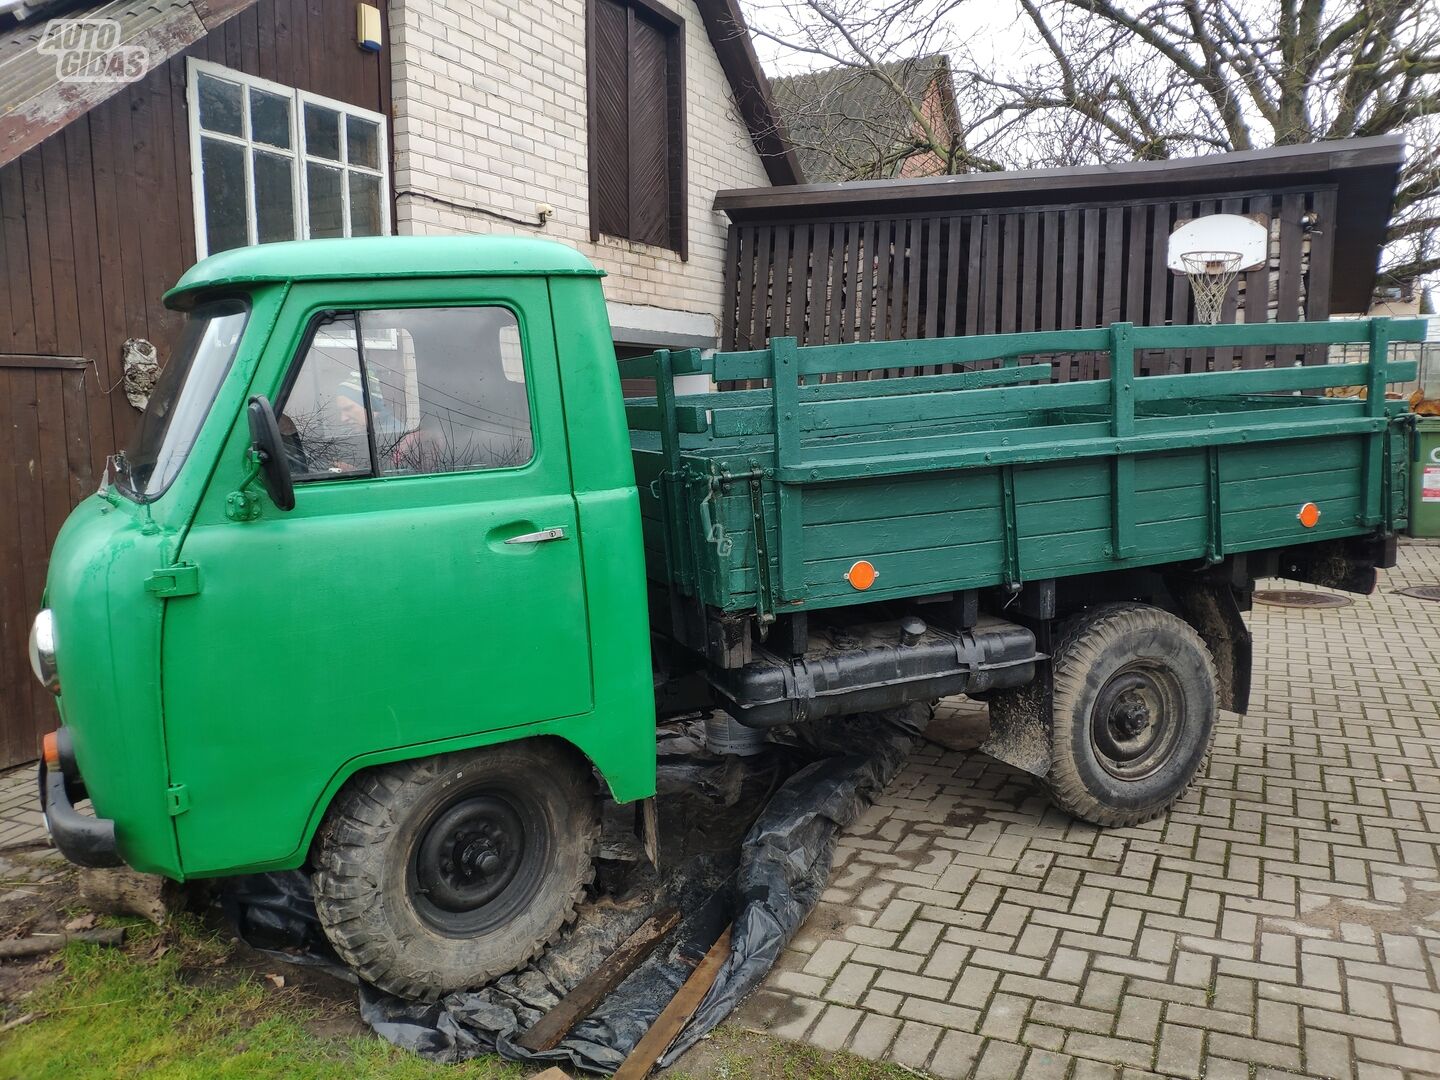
<point x="1134" y="714"/>
<point x="444" y="873"/>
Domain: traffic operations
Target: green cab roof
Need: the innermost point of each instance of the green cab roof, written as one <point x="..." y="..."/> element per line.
<point x="382" y="257"/>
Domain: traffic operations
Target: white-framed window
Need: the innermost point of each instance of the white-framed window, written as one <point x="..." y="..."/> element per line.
<point x="269" y="162"/>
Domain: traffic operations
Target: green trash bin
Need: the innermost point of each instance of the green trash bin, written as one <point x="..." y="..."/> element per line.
<point x="1425" y="479"/>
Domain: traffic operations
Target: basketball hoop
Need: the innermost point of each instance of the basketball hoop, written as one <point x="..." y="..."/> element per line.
<point x="1210" y="274"/>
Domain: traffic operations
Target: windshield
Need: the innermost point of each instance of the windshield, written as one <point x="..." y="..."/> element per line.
<point x="181" y="399"/>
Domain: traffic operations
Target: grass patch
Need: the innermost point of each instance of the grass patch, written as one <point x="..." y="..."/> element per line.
<point x="180" y="1014"/>
<point x="174" y="1005"/>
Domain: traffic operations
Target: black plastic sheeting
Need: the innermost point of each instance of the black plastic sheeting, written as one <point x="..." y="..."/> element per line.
<point x="744" y="841"/>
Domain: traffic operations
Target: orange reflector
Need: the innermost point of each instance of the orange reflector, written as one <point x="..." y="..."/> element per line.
<point x="1309" y="515"/>
<point x="51" y="746"/>
<point x="862" y="575"/>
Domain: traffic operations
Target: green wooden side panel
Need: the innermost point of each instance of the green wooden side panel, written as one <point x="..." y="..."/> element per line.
<point x="977" y="478"/>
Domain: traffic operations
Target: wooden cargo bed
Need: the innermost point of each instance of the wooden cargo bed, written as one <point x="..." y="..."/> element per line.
<point x="993" y="475"/>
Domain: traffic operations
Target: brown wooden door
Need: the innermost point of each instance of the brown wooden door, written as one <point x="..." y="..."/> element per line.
<point x="44" y="471"/>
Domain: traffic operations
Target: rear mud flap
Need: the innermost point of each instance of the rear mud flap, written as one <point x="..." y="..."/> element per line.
<point x="1020" y="726"/>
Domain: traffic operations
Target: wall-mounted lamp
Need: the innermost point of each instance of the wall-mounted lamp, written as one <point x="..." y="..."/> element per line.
<point x="367" y="27"/>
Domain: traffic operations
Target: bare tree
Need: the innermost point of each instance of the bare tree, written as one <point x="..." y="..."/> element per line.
<point x="1117" y="80"/>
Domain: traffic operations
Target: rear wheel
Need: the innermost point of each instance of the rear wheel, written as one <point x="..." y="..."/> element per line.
<point x="1134" y="713"/>
<point x="441" y="874"/>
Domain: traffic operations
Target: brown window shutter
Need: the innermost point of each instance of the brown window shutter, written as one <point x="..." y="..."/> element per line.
<point x="610" y="154"/>
<point x="649" y="134"/>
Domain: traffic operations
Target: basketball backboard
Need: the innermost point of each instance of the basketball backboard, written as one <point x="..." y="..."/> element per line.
<point x="1247" y="237"/>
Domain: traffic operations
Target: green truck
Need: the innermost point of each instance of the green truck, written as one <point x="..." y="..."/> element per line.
<point x="392" y="584"/>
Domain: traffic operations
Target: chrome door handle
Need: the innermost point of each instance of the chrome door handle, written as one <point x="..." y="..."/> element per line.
<point x="540" y="537"/>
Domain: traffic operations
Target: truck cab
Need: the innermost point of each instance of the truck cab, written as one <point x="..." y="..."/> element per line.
<point x="458" y="563"/>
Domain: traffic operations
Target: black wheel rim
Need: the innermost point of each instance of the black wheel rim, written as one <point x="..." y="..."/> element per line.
<point x="478" y="861"/>
<point x="1136" y="722"/>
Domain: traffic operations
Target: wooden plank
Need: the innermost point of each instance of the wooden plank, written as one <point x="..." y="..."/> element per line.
<point x="729" y="316"/>
<point x="931" y="279"/>
<point x="1321" y="269"/>
<point x="1113" y="260"/>
<point x="990" y="255"/>
<point x="1010" y="274"/>
<point x="1049" y="256"/>
<point x="871" y="356"/>
<point x="802" y="284"/>
<point x="60" y="234"/>
<point x="854" y="241"/>
<point x="912" y="272"/>
<point x="974" y="277"/>
<point x="52" y="469"/>
<point x="744" y="336"/>
<point x="1137" y="253"/>
<point x="35" y="361"/>
<point x="954" y="293"/>
<point x="1233" y="433"/>
<point x="26" y="575"/>
<point x="1160" y="285"/>
<point x="830" y="259"/>
<point x="1122" y="426"/>
<point x="157" y="254"/>
<point x="1340" y="332"/>
<point x="1259" y="381"/>
<point x="15" y="678"/>
<point x="1028" y="283"/>
<point x="42" y="295"/>
<point x="861" y="405"/>
<point x="785" y="390"/>
<point x="104" y="437"/>
<point x="1069" y="286"/>
<point x="1090" y="284"/>
<point x="676" y="1014"/>
<point x="1289" y="281"/>
<point x="591" y="990"/>
<point x="869" y="271"/>
<point x="77" y="436"/>
<point x="778" y="322"/>
<point x="884" y="269"/>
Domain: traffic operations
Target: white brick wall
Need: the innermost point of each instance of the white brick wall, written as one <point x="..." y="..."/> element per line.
<point x="490" y="112"/>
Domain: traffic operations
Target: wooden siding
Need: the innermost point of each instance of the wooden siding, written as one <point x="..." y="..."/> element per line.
<point x="96" y="222"/>
<point x="983" y="271"/>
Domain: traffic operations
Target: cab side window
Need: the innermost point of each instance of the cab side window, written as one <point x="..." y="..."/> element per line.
<point x="408" y="391"/>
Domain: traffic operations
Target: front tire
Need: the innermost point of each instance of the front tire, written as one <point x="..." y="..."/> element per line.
<point x="444" y="873"/>
<point x="1134" y="714"/>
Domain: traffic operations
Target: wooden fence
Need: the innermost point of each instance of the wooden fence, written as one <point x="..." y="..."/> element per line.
<point x="839" y="279"/>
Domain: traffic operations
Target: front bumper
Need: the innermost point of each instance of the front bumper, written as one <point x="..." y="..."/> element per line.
<point x="85" y="841"/>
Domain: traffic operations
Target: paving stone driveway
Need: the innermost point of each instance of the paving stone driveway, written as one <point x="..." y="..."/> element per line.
<point x="1283" y="919"/>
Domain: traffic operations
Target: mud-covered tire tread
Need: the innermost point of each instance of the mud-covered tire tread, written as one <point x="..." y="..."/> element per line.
<point x="1080" y="646"/>
<point x="362" y="818"/>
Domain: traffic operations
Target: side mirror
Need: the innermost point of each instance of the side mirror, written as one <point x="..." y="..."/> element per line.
<point x="270" y="453"/>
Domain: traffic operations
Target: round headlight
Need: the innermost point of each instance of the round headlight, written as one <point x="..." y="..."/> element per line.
<point x="42" y="651"/>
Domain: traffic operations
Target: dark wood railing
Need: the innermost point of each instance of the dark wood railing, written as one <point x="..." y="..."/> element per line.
<point x="836" y="279"/>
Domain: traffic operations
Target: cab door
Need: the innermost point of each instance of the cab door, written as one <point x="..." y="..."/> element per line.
<point x="427" y="585"/>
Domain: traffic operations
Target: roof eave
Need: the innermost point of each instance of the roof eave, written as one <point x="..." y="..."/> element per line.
<point x="730" y="38"/>
<point x="59" y="104"/>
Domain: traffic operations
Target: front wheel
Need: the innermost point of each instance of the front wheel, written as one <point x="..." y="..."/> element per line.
<point x="1134" y="713"/>
<point x="444" y="873"/>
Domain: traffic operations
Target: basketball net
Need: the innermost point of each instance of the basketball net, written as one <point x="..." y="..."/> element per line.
<point x="1210" y="274"/>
